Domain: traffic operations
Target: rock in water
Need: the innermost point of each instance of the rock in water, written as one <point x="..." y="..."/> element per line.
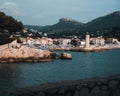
<point x="66" y="56"/>
<point x="54" y="55"/>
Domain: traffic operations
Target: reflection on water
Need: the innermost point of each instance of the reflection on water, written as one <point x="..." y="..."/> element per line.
<point x="87" y="58"/>
<point x="8" y="75"/>
<point x="83" y="65"/>
<point x="8" y="67"/>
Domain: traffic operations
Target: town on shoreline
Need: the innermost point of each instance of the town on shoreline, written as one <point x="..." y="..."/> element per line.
<point x="71" y="43"/>
<point x="42" y="49"/>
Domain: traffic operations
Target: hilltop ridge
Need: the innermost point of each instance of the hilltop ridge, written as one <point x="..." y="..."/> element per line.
<point x="69" y="20"/>
<point x="103" y="25"/>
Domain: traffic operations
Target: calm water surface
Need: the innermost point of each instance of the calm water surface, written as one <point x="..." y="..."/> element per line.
<point x="83" y="65"/>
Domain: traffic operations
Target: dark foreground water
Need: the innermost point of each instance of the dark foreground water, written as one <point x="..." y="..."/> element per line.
<point x="83" y="65"/>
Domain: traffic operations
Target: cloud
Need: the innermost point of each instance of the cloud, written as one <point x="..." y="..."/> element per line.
<point x="10" y="8"/>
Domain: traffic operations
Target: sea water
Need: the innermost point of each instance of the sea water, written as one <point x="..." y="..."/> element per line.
<point x="82" y="65"/>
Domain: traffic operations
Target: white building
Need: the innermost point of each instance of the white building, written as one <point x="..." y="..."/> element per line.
<point x="46" y="41"/>
<point x="82" y="43"/>
<point x="97" y="41"/>
<point x="65" y="42"/>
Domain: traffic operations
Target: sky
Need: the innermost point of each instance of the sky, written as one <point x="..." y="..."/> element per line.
<point x="48" y="12"/>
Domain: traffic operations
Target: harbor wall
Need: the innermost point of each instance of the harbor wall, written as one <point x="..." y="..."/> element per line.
<point x="98" y="86"/>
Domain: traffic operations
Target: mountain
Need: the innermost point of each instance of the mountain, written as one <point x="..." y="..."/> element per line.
<point x="67" y="23"/>
<point x="100" y="26"/>
<point x="104" y="23"/>
<point x="36" y="27"/>
<point x="65" y="26"/>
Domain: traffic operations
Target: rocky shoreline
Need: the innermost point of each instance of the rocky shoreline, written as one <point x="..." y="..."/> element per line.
<point x="14" y="53"/>
<point x="98" y="86"/>
<point x="28" y="60"/>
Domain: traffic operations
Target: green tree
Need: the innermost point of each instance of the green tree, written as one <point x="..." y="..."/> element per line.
<point x="9" y="23"/>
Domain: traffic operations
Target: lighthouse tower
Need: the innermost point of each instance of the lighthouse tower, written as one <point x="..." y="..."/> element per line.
<point x="87" y="40"/>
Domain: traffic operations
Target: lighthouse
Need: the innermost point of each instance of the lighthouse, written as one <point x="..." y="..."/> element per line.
<point x="87" y="40"/>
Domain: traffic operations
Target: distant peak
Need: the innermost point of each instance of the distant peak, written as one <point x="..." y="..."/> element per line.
<point x="67" y="19"/>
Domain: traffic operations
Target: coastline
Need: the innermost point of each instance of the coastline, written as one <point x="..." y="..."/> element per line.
<point x="84" y="49"/>
<point x="28" y="60"/>
<point x="15" y="53"/>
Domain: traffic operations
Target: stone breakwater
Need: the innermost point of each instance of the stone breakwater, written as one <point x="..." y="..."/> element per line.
<point x="84" y="49"/>
<point x="14" y="52"/>
<point x="94" y="49"/>
<point x="99" y="86"/>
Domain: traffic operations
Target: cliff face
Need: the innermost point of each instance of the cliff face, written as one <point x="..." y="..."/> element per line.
<point x="14" y="52"/>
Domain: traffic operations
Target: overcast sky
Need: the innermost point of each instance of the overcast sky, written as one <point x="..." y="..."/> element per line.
<point x="48" y="12"/>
